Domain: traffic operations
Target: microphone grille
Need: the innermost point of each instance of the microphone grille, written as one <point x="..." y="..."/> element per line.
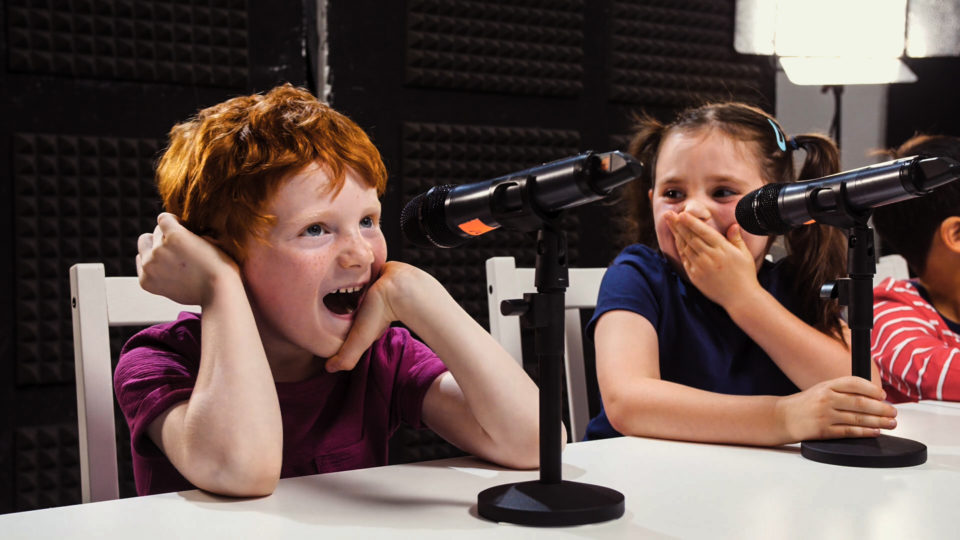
<point x="758" y="212"/>
<point x="424" y="220"/>
<point x="410" y="222"/>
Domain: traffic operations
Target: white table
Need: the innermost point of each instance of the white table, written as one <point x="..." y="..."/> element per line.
<point x="672" y="489"/>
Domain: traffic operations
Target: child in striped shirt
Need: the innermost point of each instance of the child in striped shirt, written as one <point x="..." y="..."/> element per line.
<point x="916" y="333"/>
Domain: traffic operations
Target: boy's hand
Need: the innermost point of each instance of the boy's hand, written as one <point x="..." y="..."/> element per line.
<point x="174" y="262"/>
<point x="845" y="407"/>
<point x="387" y="300"/>
<point x="721" y="268"/>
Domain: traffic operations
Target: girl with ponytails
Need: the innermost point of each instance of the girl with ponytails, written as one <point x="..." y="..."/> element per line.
<point x="698" y="336"/>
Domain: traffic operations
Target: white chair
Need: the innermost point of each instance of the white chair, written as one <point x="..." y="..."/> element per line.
<point x="99" y="302"/>
<point x="506" y="282"/>
<point x="893" y="266"/>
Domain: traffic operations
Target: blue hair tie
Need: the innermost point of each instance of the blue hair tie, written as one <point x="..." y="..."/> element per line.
<point x="793" y="143"/>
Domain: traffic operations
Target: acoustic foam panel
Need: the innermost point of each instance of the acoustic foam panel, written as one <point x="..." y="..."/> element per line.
<point x="196" y="42"/>
<point x="678" y="53"/>
<point x="521" y="47"/>
<point x="76" y="199"/>
<point x="47" y="466"/>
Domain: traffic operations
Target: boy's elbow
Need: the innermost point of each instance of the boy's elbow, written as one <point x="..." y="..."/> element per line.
<point x="259" y="486"/>
<point x="525" y="453"/>
<point x="238" y="477"/>
<point x="247" y="483"/>
<point x="519" y="450"/>
<point x="525" y="460"/>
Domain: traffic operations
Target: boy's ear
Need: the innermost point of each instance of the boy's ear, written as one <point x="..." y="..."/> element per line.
<point x="950" y="233"/>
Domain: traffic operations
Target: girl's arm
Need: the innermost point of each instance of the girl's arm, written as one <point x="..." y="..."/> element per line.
<point x="227" y="438"/>
<point x="638" y="402"/>
<point x="726" y="272"/>
<point x="806" y="355"/>
<point x="486" y="404"/>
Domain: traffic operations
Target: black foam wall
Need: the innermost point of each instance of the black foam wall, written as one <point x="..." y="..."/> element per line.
<point x="927" y="106"/>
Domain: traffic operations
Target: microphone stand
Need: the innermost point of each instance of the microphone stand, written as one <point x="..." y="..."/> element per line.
<point x="856" y="292"/>
<point x="550" y="501"/>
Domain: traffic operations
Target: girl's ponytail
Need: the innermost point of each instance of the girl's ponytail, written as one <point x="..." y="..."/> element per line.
<point x="822" y="156"/>
<point x="816" y="253"/>
<point x="638" y="216"/>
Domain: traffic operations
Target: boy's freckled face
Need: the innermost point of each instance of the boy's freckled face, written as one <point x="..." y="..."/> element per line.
<point x="704" y="173"/>
<point x="306" y="278"/>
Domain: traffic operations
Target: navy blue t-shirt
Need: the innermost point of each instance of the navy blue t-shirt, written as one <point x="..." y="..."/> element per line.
<point x="700" y="345"/>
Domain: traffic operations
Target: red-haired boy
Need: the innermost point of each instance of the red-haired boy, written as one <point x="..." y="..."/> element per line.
<point x="273" y="228"/>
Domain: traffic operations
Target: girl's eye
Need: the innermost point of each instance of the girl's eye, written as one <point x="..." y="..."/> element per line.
<point x="672" y="194"/>
<point x="721" y="193"/>
<point x="367" y="222"/>
<point x="315" y="230"/>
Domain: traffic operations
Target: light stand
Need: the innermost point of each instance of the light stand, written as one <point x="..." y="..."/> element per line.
<point x="856" y="292"/>
<point x="550" y="501"/>
<point x="837" y="90"/>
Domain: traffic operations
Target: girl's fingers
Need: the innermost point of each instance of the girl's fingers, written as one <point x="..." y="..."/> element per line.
<point x="849" y="432"/>
<point x="680" y="242"/>
<point x="735" y="236"/>
<point x="857" y="385"/>
<point x="699" y="230"/>
<point x="847" y="418"/>
<point x="697" y="243"/>
<point x="684" y="240"/>
<point x="860" y="404"/>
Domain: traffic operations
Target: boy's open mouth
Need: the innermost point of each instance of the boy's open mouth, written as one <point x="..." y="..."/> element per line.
<point x="343" y="301"/>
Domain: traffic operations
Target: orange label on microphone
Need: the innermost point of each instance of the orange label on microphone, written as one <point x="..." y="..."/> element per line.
<point x="475" y="227"/>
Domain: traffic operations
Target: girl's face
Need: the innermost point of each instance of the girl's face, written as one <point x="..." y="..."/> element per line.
<point x="704" y="173"/>
<point x="306" y="281"/>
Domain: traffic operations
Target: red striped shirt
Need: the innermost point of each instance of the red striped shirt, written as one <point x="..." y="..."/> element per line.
<point x="918" y="355"/>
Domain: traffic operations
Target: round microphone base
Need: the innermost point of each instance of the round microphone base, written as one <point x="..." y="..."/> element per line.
<point x="550" y="505"/>
<point x="881" y="452"/>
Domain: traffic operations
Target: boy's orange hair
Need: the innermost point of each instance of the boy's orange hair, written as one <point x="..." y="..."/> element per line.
<point x="223" y="165"/>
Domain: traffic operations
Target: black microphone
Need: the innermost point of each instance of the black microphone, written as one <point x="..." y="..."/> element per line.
<point x="448" y="215"/>
<point x="778" y="208"/>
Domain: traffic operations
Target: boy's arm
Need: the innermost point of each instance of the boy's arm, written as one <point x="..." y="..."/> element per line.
<point x="638" y="402"/>
<point x="486" y="404"/>
<point x="914" y="356"/>
<point x="227" y="438"/>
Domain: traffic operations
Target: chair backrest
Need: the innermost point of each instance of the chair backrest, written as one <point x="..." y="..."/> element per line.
<point x="893" y="266"/>
<point x="507" y="282"/>
<point x="99" y="302"/>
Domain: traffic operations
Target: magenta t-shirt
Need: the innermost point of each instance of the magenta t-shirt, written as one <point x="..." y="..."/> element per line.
<point x="331" y="422"/>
